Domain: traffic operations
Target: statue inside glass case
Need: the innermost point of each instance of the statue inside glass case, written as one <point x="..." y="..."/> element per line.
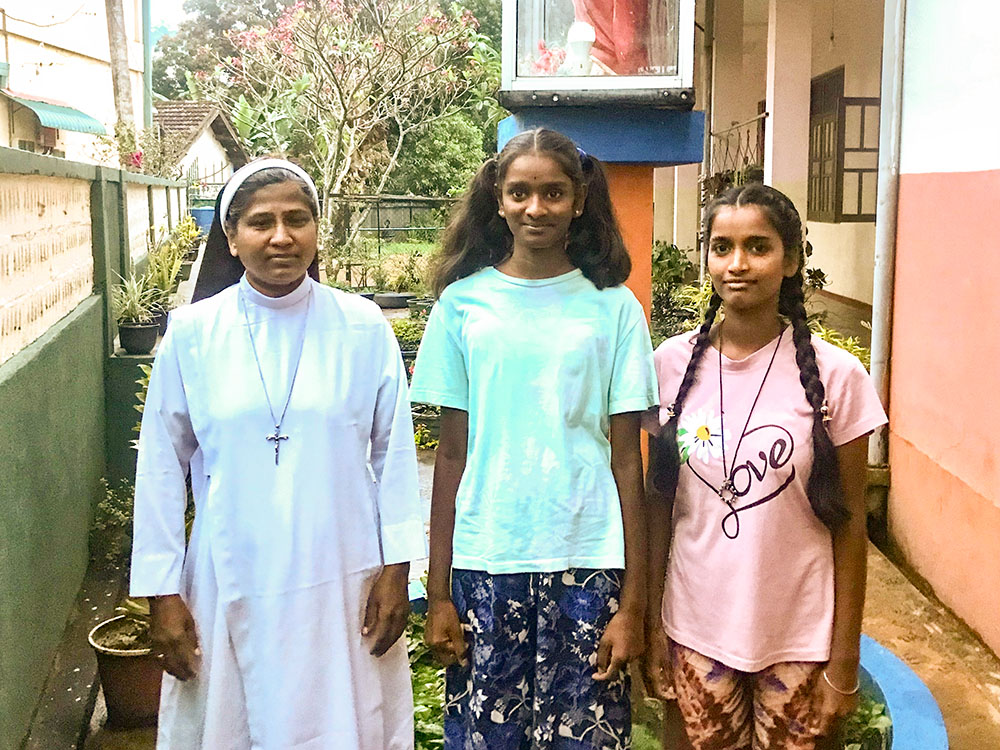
<point x="597" y="38"/>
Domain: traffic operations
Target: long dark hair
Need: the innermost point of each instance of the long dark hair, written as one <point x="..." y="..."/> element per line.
<point x="823" y="487"/>
<point x="477" y="236"/>
<point x="219" y="268"/>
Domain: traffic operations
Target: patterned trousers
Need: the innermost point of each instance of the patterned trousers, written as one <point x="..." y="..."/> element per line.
<point x="726" y="709"/>
<point x="528" y="683"/>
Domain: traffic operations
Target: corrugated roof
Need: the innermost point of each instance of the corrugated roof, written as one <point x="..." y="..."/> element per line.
<point x="61" y="116"/>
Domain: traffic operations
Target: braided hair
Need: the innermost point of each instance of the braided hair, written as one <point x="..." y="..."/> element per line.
<point x="823" y="486"/>
<point x="477" y="236"/>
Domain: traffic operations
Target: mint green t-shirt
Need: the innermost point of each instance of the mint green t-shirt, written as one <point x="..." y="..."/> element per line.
<point x="539" y="365"/>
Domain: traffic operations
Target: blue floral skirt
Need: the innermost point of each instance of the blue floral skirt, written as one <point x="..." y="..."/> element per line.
<point x="528" y="684"/>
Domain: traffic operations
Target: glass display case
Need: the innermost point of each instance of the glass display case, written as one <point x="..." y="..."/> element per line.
<point x="579" y="52"/>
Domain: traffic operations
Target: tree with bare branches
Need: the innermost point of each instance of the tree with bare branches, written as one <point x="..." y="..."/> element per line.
<point x="341" y="84"/>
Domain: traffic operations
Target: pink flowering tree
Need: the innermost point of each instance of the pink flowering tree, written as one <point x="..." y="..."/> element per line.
<point x="341" y="84"/>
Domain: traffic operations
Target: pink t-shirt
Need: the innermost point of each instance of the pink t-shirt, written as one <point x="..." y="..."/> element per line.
<point x="754" y="587"/>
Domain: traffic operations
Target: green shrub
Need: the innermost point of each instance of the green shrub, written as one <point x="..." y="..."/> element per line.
<point x="428" y="689"/>
<point x="409" y="332"/>
<point x="111" y="529"/>
<point x="670" y="265"/>
<point x="867" y="728"/>
<point x="848" y="343"/>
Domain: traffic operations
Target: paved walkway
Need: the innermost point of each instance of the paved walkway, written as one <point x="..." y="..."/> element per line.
<point x="962" y="674"/>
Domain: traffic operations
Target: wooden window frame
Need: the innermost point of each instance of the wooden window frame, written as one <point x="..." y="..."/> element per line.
<point x="865" y="102"/>
<point x="832" y="108"/>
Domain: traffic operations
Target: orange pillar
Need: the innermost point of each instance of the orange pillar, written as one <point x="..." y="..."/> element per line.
<point x="631" y="188"/>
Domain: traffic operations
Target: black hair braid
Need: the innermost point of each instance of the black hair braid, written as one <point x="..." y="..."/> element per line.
<point x="823" y="488"/>
<point x="666" y="459"/>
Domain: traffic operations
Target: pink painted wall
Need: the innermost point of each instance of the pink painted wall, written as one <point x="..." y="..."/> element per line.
<point x="944" y="507"/>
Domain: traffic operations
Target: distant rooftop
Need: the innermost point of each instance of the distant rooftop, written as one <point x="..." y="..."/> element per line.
<point x="190" y="118"/>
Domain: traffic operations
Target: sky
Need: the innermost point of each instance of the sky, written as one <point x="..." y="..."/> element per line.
<point x="168" y="13"/>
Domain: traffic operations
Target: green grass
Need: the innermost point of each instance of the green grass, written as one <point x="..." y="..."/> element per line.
<point x="395" y="248"/>
<point x="643" y="738"/>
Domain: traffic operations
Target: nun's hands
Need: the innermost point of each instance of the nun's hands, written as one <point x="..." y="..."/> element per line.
<point x="175" y="640"/>
<point x="387" y="609"/>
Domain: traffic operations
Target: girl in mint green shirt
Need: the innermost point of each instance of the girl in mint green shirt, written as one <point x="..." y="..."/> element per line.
<point x="542" y="364"/>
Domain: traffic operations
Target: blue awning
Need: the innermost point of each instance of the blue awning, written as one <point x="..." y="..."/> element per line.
<point x="60" y="116"/>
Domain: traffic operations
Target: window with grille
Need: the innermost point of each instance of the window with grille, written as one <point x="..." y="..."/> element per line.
<point x="843" y="152"/>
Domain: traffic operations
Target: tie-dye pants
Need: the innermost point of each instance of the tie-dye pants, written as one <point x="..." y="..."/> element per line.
<point x="726" y="709"/>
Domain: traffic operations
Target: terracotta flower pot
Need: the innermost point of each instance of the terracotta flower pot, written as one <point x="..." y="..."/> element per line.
<point x="130" y="679"/>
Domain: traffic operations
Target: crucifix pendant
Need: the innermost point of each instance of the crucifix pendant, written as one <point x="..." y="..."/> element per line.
<point x="277" y="437"/>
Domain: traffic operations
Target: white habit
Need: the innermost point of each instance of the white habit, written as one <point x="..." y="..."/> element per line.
<point x="281" y="557"/>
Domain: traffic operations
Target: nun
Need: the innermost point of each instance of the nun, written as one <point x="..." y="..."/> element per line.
<point x="278" y="621"/>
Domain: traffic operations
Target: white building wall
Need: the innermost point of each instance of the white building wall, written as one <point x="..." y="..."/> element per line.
<point x="59" y="51"/>
<point x="846" y="254"/>
<point x="847" y="33"/>
<point x="949" y="121"/>
<point x="213" y="161"/>
<point x="663" y="205"/>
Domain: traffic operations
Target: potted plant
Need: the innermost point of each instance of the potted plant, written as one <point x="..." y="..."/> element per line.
<point x="420" y="307"/>
<point x="130" y="675"/>
<point x="408" y="332"/>
<point x="163" y="270"/>
<point x="134" y="304"/>
<point x="187" y="235"/>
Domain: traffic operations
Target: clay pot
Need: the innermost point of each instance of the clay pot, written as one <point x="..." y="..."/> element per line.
<point x="130" y="679"/>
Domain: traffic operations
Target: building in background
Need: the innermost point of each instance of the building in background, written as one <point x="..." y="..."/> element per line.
<point x="56" y="93"/>
<point x="795" y="100"/>
<point x="210" y="148"/>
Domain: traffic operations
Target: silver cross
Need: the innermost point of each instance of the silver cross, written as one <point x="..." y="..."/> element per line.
<point x="277" y="438"/>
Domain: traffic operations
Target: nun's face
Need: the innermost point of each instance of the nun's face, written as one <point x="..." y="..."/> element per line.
<point x="275" y="238"/>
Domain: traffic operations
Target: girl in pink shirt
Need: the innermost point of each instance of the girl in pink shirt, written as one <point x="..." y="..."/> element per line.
<point x="756" y="489"/>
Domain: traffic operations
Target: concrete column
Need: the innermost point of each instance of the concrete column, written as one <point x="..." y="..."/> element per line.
<point x="728" y="87"/>
<point x="663" y="204"/>
<point x="686" y="211"/>
<point x="789" y="66"/>
<point x="631" y="189"/>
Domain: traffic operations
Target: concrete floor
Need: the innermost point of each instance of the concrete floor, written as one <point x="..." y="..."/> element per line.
<point x="962" y="674"/>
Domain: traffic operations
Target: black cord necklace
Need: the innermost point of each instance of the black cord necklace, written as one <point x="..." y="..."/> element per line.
<point x="727" y="491"/>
